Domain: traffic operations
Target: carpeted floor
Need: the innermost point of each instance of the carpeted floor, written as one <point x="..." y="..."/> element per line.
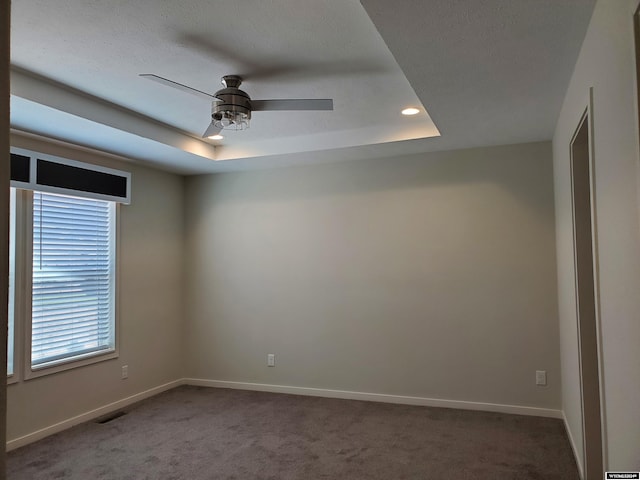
<point x="204" y="433"/>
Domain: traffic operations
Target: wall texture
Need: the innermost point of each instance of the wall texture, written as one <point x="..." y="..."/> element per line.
<point x="607" y="64"/>
<point x="150" y="305"/>
<point x="432" y="275"/>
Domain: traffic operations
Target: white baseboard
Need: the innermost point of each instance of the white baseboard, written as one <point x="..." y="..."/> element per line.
<point x="574" y="447"/>
<point x="314" y="392"/>
<point x="379" y="397"/>
<point x="98" y="412"/>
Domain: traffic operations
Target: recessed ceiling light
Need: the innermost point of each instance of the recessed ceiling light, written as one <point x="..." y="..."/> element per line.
<point x="215" y="137"/>
<point x="410" y="111"/>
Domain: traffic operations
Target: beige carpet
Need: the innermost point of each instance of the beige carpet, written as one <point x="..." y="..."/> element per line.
<point x="202" y="433"/>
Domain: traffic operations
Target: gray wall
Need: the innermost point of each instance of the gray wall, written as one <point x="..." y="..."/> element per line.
<point x="607" y="64"/>
<point x="432" y="275"/>
<point x="150" y="306"/>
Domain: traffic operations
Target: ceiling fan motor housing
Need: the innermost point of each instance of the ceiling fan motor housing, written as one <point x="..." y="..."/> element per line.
<point x="233" y="110"/>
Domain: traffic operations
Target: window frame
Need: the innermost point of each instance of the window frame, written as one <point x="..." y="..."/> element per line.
<point x="20" y="231"/>
<point x="22" y="369"/>
<point x="33" y="184"/>
<point x="81" y="359"/>
<point x="22" y="361"/>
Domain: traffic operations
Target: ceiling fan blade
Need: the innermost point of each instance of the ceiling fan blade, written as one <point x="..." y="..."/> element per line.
<point x="211" y="130"/>
<point x="252" y="65"/>
<point x="244" y="66"/>
<point x="292" y="104"/>
<point x="305" y="71"/>
<point x="179" y="86"/>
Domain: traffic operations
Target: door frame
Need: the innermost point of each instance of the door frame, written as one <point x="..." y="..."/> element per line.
<point x="587" y="116"/>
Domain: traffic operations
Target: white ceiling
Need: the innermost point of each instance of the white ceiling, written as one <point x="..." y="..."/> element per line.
<point x="490" y="72"/>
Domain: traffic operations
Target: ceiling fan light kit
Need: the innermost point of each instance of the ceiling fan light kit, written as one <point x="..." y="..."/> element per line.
<point x="230" y="119"/>
<point x="231" y="107"/>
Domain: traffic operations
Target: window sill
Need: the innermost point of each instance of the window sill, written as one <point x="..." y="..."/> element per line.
<point x="68" y="364"/>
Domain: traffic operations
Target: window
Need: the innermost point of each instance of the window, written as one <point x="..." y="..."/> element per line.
<point x="72" y="294"/>
<point x="62" y="267"/>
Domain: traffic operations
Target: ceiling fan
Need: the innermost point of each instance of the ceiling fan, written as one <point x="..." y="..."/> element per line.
<point x="231" y="107"/>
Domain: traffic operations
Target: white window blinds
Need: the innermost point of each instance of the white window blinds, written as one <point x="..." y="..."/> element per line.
<point x="73" y="295"/>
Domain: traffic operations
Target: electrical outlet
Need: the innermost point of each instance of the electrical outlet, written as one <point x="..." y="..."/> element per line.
<point x="541" y="377"/>
<point x="125" y="371"/>
<point x="271" y="360"/>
